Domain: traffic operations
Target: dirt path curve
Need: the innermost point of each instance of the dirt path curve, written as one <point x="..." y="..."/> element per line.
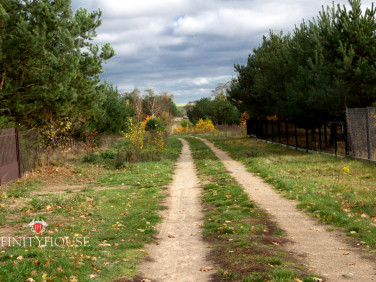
<point x="325" y="252"/>
<point x="181" y="251"/>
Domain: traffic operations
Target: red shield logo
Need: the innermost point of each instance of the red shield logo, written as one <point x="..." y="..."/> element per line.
<point x="38" y="227"/>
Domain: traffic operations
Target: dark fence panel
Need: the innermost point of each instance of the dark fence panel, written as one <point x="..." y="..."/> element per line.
<point x="361" y="125"/>
<point x="10" y="168"/>
<point x="329" y="138"/>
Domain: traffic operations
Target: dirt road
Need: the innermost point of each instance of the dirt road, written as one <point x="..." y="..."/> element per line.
<point x="180" y="252"/>
<point x="325" y="252"/>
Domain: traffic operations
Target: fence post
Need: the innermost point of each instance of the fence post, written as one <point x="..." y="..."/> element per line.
<point x="335" y="140"/>
<point x="306" y="136"/>
<point x="368" y="134"/>
<point x="296" y="137"/>
<point x="266" y="131"/>
<point x="287" y="133"/>
<point x="279" y="131"/>
<point x="272" y="131"/>
<point x="346" y="138"/>
<point x="320" y="136"/>
<point x="18" y="151"/>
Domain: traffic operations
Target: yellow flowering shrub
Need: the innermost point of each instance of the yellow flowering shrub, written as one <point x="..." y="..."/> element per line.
<point x="145" y="145"/>
<point x="204" y="126"/>
<point x="56" y="135"/>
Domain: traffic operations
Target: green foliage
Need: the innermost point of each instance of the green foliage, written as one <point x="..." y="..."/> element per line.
<point x="115" y="112"/>
<point x="185" y="123"/>
<point x="154" y="124"/>
<point x="313" y="74"/>
<point x="219" y="110"/>
<point x="49" y="66"/>
<point x="6" y="122"/>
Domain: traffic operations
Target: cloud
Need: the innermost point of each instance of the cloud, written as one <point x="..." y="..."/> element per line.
<point x="187" y="47"/>
<point x="201" y="81"/>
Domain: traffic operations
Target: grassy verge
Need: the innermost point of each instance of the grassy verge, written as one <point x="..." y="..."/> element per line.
<point x="247" y="246"/>
<point x="116" y="222"/>
<point x="336" y="191"/>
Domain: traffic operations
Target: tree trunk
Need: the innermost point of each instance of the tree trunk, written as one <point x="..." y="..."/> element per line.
<point x="2" y="80"/>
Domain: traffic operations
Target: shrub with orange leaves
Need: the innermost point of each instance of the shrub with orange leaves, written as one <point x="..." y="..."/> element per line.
<point x="243" y="118"/>
<point x="274" y="118"/>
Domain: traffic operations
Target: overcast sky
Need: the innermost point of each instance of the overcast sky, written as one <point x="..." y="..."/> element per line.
<point x="187" y="47"/>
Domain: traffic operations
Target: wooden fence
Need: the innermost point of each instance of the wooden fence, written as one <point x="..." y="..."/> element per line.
<point x="10" y="155"/>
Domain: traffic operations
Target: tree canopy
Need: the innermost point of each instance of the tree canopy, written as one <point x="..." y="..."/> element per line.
<point x="218" y="109"/>
<point x="313" y="74"/>
<point x="49" y="66"/>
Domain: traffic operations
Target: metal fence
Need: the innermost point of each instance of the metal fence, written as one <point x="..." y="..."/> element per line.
<point x="329" y="138"/>
<point x="361" y="123"/>
<point x="29" y="148"/>
<point x="18" y="153"/>
<point x="355" y="137"/>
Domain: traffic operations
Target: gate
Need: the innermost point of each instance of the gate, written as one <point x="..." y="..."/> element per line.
<point x="10" y="157"/>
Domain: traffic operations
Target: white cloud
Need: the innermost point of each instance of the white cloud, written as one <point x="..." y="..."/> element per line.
<point x="172" y="45"/>
<point x="201" y="81"/>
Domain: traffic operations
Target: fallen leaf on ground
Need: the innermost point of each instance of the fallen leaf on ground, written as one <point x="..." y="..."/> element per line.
<point x="171" y="236"/>
<point x="346" y="253"/>
<point x="59" y="268"/>
<point x="29" y="280"/>
<point x="93" y="276"/>
<point x="276" y="244"/>
<point x="20" y="258"/>
<point x="124" y="259"/>
<point x="104" y="245"/>
<point x="206" y="268"/>
<point x="73" y="279"/>
<point x="297" y="280"/>
<point x="317" y="279"/>
<point x="145" y="280"/>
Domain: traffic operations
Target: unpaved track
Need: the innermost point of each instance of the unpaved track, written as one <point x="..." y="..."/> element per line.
<point x="181" y="251"/>
<point x="325" y="252"/>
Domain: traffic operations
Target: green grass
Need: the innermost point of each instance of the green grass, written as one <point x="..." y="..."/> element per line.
<point x="336" y="191"/>
<point x="117" y="222"/>
<point x="246" y="244"/>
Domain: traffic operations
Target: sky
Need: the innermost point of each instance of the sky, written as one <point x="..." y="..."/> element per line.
<point x="187" y="47"/>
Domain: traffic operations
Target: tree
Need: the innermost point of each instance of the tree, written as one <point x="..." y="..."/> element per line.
<point x="312" y="75"/>
<point x="115" y="111"/>
<point x="218" y="109"/>
<point x="48" y="66"/>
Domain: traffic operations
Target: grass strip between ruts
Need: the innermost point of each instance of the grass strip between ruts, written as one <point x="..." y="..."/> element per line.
<point x="246" y="244"/>
<point x="336" y="191"/>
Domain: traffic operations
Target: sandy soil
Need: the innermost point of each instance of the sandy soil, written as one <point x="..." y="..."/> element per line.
<point x="325" y="252"/>
<point x="180" y="251"/>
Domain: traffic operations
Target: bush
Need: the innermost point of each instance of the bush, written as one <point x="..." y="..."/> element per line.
<point x="154" y="124"/>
